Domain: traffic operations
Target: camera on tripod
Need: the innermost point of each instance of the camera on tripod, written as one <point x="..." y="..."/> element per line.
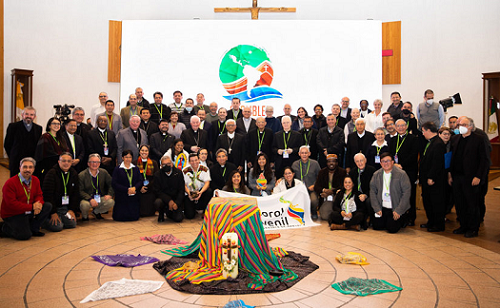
<point x="63" y="112"/>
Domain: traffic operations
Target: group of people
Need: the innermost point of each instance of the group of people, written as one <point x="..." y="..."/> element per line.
<point x="359" y="166"/>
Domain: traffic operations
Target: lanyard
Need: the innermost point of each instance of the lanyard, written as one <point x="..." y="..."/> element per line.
<point x="57" y="141"/>
<point x="398" y="146"/>
<point x="346" y="198"/>
<point x="105" y="138"/>
<point x="161" y="110"/>
<point x="144" y="171"/>
<point x="65" y="183"/>
<point x="427" y="147"/>
<point x="387" y="184"/>
<point x="359" y="180"/>
<point x="28" y="196"/>
<point x="236" y="116"/>
<point x="129" y="176"/>
<point x="235" y="190"/>
<point x="132" y="112"/>
<point x="224" y="172"/>
<point x="307" y="136"/>
<point x="178" y="108"/>
<point x="111" y="122"/>
<point x="92" y="182"/>
<point x="307" y="171"/>
<point x="378" y="149"/>
<point x="202" y="107"/>
<point x="259" y="139"/>
<point x="73" y="146"/>
<point x="223" y="127"/>
<point x="166" y="135"/>
<point x="286" y="141"/>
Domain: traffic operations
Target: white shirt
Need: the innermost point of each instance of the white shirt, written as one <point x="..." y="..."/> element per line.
<point x="199" y="177"/>
<point x="72" y="141"/>
<point x="374" y="121"/>
<point x="96" y="109"/>
<point x="386" y="184"/>
<point x="247" y="122"/>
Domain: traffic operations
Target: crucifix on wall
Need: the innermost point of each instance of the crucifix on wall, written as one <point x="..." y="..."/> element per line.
<point x="254" y="9"/>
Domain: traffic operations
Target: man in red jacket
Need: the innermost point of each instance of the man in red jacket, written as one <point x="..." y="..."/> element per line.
<point x="23" y="209"/>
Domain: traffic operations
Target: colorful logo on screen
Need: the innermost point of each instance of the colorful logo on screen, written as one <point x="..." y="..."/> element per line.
<point x="246" y="73"/>
<point x="294" y="211"/>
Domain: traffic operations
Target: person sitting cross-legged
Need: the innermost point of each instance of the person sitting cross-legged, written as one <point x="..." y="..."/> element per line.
<point x="348" y="209"/>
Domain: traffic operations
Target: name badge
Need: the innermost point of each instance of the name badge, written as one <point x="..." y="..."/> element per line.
<point x="106" y="150"/>
<point x="377" y="159"/>
<point x="286" y="155"/>
<point x="258" y="152"/>
<point x="329" y="198"/>
<point x="386" y="197"/>
<point x="65" y="200"/>
<point x="97" y="198"/>
<point x="396" y="160"/>
<point x="146" y="182"/>
<point x="230" y="150"/>
<point x="377" y="215"/>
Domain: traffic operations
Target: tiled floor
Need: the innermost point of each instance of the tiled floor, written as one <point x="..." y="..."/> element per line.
<point x="434" y="270"/>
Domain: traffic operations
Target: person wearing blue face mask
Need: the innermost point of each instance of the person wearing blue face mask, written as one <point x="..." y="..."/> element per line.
<point x="430" y="111"/>
<point x="189" y="111"/>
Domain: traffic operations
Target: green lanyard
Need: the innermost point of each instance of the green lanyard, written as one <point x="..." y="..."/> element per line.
<point x="132" y="112"/>
<point x="345" y="202"/>
<point x="73" y="146"/>
<point x="202" y="107"/>
<point x="144" y="171"/>
<point x="388" y="184"/>
<point x="92" y="182"/>
<point x="111" y="121"/>
<point x="307" y="171"/>
<point x="235" y="190"/>
<point x="286" y="141"/>
<point x="378" y="149"/>
<point x="235" y="117"/>
<point x="259" y="139"/>
<point x="129" y="176"/>
<point x="359" y="180"/>
<point x="306" y="137"/>
<point x="337" y="122"/>
<point x="398" y="146"/>
<point x="178" y="108"/>
<point x="224" y="172"/>
<point x="223" y="127"/>
<point x="161" y="110"/>
<point x="65" y="183"/>
<point x="105" y="139"/>
<point x="57" y="141"/>
<point x="425" y="151"/>
<point x="166" y="135"/>
<point x="28" y="196"/>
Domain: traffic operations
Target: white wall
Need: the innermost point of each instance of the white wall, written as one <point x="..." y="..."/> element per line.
<point x="446" y="44"/>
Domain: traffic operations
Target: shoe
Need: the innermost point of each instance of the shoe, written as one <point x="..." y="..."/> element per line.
<point x="470" y="234"/>
<point x="97" y="216"/>
<point x="85" y="219"/>
<point x="355" y="227"/>
<point x="435" y="229"/>
<point x="314" y="217"/>
<point x="161" y="217"/>
<point x="411" y="223"/>
<point x="38" y="234"/>
<point x="459" y="231"/>
<point x="423" y="226"/>
<point x="1" y="227"/>
<point x="337" y="227"/>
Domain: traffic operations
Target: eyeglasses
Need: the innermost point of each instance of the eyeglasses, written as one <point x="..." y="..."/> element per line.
<point x="94" y="162"/>
<point x="55" y="123"/>
<point x="66" y="161"/>
<point x="385" y="161"/>
<point x="103" y="96"/>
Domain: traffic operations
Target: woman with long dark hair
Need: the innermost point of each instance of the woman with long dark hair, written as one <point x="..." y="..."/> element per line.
<point x="261" y="177"/>
<point x="348" y="210"/>
<point x="298" y="124"/>
<point x="49" y="147"/>
<point x="235" y="184"/>
<point x="179" y="156"/>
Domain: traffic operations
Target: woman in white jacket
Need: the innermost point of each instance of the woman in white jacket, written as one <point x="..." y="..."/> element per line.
<point x="287" y="181"/>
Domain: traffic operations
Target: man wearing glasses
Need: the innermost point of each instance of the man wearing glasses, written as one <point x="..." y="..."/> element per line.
<point x="390" y="191"/>
<point x="98" y="108"/>
<point x="95" y="189"/>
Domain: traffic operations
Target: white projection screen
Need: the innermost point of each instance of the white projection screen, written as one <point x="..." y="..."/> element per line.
<point x="300" y="62"/>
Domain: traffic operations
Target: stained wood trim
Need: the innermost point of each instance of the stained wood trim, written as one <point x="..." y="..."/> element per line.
<point x="391" y="39"/>
<point x="114" y="51"/>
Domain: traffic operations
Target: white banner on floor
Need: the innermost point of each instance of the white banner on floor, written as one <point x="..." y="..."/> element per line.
<point x="284" y="210"/>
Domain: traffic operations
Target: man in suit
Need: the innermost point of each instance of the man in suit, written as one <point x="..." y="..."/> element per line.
<point x="286" y="146"/>
<point x="148" y="126"/>
<point x="287" y="110"/>
<point x="168" y="186"/>
<point x="469" y="168"/>
<point x="432" y="176"/>
<point x="395" y="108"/>
<point x="141" y="101"/>
<point x="194" y="138"/>
<point x="345" y="111"/>
<point x="259" y="140"/>
<point x="390" y="129"/>
<point x="206" y="126"/>
<point x="131" y="138"/>
<point x="390" y="191"/>
<point x="234" y="144"/>
<point x="245" y="123"/>
<point x="189" y="111"/>
<point x="130" y="110"/>
<point x="82" y="129"/>
<point x="159" y="110"/>
<point x="330" y="140"/>
<point x="75" y="144"/>
<point x="330" y="180"/>
<point x="114" y="120"/>
<point x="339" y="120"/>
<point x="235" y="111"/>
<point x="361" y="177"/>
<point x="220" y="171"/>
<point x="357" y="142"/>
<point x="21" y="139"/>
<point x="102" y="141"/>
<point x="309" y="137"/>
<point x="200" y="102"/>
<point x="161" y="141"/>
<point x="404" y="149"/>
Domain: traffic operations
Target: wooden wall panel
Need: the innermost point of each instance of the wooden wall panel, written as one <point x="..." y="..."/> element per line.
<point x="114" y="51"/>
<point x="391" y="65"/>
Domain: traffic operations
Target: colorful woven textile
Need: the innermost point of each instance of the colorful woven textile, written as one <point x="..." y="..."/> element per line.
<point x="242" y="216"/>
<point x="167" y="239"/>
<point x="364" y="287"/>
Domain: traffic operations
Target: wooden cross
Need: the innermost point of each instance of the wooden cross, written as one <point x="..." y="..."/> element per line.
<point x="254" y="9"/>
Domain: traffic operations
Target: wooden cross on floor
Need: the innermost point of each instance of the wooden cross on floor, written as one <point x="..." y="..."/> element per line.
<point x="254" y="9"/>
